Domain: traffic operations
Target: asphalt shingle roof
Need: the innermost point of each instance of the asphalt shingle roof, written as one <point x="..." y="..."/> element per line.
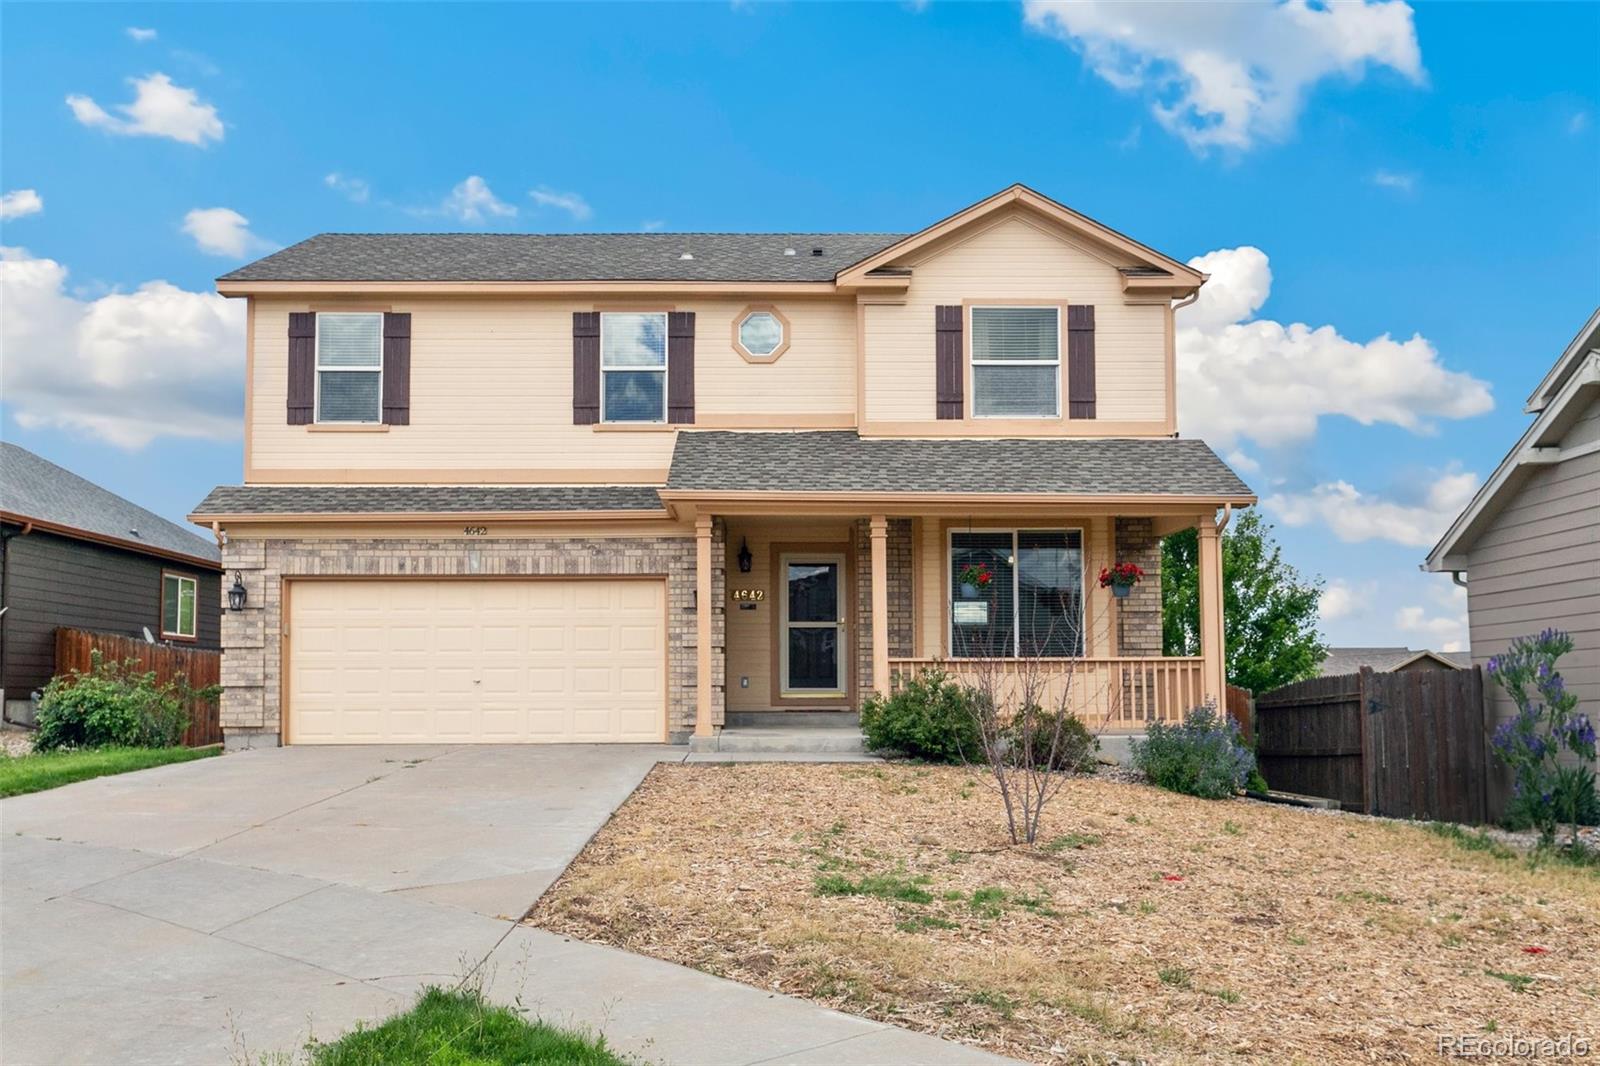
<point x="1341" y="661"/>
<point x="225" y="500"/>
<point x="36" y="488"/>
<point x="841" y="461"/>
<point x="565" y="257"/>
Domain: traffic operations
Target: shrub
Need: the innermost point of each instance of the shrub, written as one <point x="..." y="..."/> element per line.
<point x="1205" y="756"/>
<point x="1548" y="790"/>
<point x="113" y="705"/>
<point x="1075" y="747"/>
<point x="930" y="718"/>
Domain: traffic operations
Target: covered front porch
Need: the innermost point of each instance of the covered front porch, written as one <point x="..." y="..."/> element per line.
<point x="838" y="566"/>
<point x="817" y="610"/>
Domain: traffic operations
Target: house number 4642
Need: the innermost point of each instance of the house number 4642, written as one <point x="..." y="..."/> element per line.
<point x="476" y="531"/>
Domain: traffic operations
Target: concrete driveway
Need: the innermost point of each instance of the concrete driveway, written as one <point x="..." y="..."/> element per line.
<point x="214" y="910"/>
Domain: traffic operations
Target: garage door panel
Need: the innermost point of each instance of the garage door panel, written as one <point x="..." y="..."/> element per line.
<point x="477" y="661"/>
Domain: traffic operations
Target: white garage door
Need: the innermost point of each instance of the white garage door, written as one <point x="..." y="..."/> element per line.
<point x="476" y="661"/>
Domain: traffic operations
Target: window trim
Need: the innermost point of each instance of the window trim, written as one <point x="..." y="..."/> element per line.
<point x="317" y="370"/>
<point x="969" y="335"/>
<point x="783" y="344"/>
<point x="161" y="616"/>
<point x="666" y="361"/>
<point x="1016" y="598"/>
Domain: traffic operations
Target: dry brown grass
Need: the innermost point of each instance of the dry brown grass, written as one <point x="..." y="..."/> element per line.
<point x="1149" y="926"/>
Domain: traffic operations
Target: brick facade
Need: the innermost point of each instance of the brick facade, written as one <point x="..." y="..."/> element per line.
<point x="1139" y="616"/>
<point x="252" y="674"/>
<point x="901" y="578"/>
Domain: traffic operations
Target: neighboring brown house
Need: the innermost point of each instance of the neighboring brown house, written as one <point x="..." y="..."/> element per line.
<point x="1528" y="545"/>
<point x="75" y="555"/>
<point x="523" y="488"/>
<point x="1341" y="661"/>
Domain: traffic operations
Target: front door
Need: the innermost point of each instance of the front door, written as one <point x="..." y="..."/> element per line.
<point x="811" y="646"/>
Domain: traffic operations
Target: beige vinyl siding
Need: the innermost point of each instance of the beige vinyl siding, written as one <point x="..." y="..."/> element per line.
<point x="491" y="389"/>
<point x="1537" y="565"/>
<point x="1016" y="259"/>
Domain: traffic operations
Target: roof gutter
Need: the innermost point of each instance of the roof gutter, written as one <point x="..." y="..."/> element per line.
<point x="139" y="546"/>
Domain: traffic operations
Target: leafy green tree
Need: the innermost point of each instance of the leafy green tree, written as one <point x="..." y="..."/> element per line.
<point x="1269" y="610"/>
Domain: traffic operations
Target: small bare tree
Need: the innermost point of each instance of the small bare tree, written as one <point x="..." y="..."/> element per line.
<point x="1026" y="684"/>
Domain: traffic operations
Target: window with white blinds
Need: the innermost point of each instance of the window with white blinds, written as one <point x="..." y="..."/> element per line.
<point x="349" y="367"/>
<point x="1016" y="362"/>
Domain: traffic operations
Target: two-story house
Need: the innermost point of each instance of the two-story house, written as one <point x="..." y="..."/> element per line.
<point x="611" y="487"/>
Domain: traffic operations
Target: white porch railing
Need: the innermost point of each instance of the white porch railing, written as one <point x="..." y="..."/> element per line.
<point x="1121" y="694"/>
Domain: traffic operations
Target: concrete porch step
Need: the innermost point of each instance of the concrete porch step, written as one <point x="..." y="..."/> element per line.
<point x="821" y="740"/>
<point x="792" y="719"/>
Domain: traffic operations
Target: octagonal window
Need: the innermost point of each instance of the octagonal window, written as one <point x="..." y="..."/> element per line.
<point x="761" y="333"/>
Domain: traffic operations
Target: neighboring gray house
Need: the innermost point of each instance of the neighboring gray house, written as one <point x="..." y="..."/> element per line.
<point x="1341" y="661"/>
<point x="1528" y="545"/>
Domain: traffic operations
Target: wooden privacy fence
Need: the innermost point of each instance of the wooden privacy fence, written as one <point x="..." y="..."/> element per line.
<point x="1405" y="745"/>
<point x="203" y="668"/>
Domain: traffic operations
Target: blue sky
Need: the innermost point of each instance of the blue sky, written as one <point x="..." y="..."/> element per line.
<point x="1424" y="173"/>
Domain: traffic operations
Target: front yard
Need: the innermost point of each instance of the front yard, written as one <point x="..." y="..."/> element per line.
<point x="37" y="771"/>
<point x="1145" y="924"/>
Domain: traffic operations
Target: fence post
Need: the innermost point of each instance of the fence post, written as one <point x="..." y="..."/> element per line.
<point x="1369" y="760"/>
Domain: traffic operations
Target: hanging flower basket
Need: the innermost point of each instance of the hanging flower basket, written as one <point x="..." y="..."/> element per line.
<point x="1120" y="578"/>
<point x="974" y="580"/>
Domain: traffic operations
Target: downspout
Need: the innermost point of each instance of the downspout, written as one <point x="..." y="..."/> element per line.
<point x="1186" y="301"/>
<point x="222" y="538"/>
<point x="1227" y="516"/>
<point x="1455" y="576"/>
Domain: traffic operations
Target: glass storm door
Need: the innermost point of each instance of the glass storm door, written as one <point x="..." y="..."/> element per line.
<point x="811" y="646"/>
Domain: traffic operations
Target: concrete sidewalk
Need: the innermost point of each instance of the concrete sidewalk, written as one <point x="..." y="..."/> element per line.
<point x="198" y="912"/>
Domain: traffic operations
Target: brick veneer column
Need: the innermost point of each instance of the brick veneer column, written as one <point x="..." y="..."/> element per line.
<point x="1139" y="616"/>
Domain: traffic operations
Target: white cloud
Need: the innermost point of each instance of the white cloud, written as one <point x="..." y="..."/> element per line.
<point x="1269" y="382"/>
<point x="127" y="367"/>
<point x="472" y="201"/>
<point x="356" y="190"/>
<point x="1443" y="629"/>
<point x="570" y="202"/>
<point x="223" y="231"/>
<point x="140" y="34"/>
<point x="159" y="109"/>
<point x="1231" y="75"/>
<point x="20" y="202"/>
<point x="1389" y="179"/>
<point x="652" y="225"/>
<point x="1343" y="599"/>
<point x="1353" y="516"/>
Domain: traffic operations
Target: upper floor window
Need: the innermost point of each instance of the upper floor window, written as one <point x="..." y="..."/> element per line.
<point x="349" y="367"/>
<point x="178" y="606"/>
<point x="761" y="334"/>
<point x="633" y="366"/>
<point x="1016" y="362"/>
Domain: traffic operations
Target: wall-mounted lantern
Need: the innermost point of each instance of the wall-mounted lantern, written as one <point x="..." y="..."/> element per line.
<point x="745" y="558"/>
<point x="237" y="594"/>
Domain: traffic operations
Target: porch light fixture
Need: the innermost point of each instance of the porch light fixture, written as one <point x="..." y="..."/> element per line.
<point x="745" y="558"/>
<point x="237" y="594"/>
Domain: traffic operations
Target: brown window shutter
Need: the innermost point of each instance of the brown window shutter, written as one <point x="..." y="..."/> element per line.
<point x="585" y="368"/>
<point x="302" y="367"/>
<point x="680" y="367"/>
<point x="947" y="354"/>
<point x="396" y="369"/>
<point x="1080" y="361"/>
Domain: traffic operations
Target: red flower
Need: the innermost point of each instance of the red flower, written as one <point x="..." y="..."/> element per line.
<point x="1122" y="574"/>
<point x="1535" y="950"/>
<point x="1172" y="877"/>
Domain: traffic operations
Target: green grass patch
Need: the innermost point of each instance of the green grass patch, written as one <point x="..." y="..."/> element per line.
<point x="998" y="1002"/>
<point x="1073" y="841"/>
<point x="460" y="1029"/>
<point x="51" y="769"/>
<point x="1175" y="977"/>
<point x="989" y="902"/>
<point x="1518" y="981"/>
<point x="883" y="886"/>
<point x="921" y="923"/>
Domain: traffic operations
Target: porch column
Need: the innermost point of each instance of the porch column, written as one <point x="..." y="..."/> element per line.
<point x="1213" y="668"/>
<point x="703" y="607"/>
<point x="878" y="528"/>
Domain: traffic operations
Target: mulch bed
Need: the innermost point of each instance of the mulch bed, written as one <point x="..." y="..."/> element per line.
<point x="1144" y="926"/>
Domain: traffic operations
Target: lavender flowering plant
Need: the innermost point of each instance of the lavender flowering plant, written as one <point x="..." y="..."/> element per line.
<point x="1547" y="724"/>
